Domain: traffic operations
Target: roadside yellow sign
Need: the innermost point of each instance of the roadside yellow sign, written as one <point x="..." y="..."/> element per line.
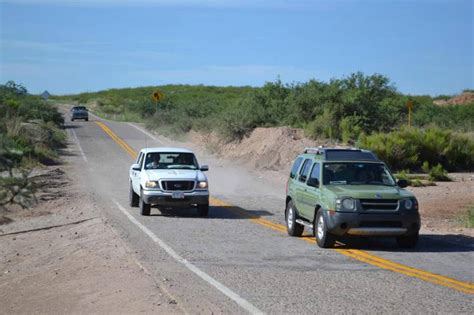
<point x="158" y="96"/>
<point x="410" y="105"/>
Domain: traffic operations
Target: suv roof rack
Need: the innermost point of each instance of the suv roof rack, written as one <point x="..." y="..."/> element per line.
<point x="341" y="153"/>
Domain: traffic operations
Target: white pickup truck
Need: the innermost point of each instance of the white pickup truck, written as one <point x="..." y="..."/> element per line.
<point x="169" y="177"/>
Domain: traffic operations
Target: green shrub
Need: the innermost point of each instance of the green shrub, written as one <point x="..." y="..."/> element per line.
<point x="438" y="173"/>
<point x="409" y="148"/>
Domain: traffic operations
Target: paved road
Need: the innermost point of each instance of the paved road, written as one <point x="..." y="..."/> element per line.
<point x="240" y="260"/>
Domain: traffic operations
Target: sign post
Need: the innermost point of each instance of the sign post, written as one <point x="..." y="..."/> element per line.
<point x="410" y="109"/>
<point x="157" y="96"/>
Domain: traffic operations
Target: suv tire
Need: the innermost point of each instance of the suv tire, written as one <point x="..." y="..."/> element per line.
<point x="144" y="207"/>
<point x="408" y="241"/>
<point x="133" y="198"/>
<point x="293" y="228"/>
<point x="87" y="119"/>
<point x="203" y="210"/>
<point x="324" y="239"/>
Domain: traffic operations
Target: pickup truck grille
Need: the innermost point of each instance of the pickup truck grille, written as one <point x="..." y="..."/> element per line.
<point x="379" y="204"/>
<point x="177" y="185"/>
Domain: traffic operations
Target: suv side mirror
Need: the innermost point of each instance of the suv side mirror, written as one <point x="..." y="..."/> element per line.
<point x="204" y="168"/>
<point x="136" y="167"/>
<point x="313" y="182"/>
<point x="402" y="183"/>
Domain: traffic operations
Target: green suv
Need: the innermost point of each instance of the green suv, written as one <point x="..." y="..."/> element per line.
<point x="348" y="192"/>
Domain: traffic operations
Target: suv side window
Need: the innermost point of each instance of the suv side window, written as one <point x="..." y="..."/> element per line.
<point x="295" y="167"/>
<point x="315" y="172"/>
<point x="305" y="170"/>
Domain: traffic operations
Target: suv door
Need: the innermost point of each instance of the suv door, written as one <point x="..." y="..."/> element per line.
<point x="300" y="187"/>
<point x="312" y="194"/>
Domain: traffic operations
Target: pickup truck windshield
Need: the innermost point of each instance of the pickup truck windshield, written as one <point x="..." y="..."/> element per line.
<point x="357" y="174"/>
<point x="167" y="161"/>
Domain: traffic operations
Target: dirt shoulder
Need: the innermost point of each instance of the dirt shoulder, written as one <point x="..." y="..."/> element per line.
<point x="62" y="257"/>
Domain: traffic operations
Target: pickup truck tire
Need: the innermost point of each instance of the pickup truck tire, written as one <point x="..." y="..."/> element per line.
<point x="293" y="228"/>
<point x="133" y="198"/>
<point x="408" y="241"/>
<point x="324" y="239"/>
<point x="203" y="210"/>
<point x="144" y="207"/>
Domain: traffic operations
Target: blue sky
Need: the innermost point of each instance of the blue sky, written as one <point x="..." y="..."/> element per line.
<point x="424" y="47"/>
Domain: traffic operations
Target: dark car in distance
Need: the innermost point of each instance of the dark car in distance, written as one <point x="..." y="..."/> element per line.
<point x="79" y="112"/>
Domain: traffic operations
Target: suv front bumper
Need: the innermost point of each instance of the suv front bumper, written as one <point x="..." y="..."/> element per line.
<point x="372" y="224"/>
<point x="161" y="198"/>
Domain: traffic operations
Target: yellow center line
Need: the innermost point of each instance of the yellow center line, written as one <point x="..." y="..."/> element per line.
<point x="359" y="255"/>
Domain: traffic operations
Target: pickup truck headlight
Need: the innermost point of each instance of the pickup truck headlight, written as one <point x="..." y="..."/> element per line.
<point x="202" y="185"/>
<point x="152" y="184"/>
<point x="345" y="204"/>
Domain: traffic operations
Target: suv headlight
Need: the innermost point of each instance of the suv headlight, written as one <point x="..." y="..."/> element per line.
<point x="345" y="204"/>
<point x="410" y="204"/>
<point x="202" y="185"/>
<point x="152" y="184"/>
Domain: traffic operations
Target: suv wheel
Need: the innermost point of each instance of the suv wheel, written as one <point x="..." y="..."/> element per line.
<point x="203" y="210"/>
<point x="408" y="241"/>
<point x="323" y="237"/>
<point x="293" y="228"/>
<point x="133" y="198"/>
<point x="144" y="207"/>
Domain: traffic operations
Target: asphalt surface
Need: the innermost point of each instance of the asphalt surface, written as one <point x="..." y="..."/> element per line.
<point x="238" y="249"/>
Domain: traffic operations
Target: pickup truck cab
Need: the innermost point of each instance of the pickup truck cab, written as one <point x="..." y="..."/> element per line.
<point x="348" y="192"/>
<point x="169" y="177"/>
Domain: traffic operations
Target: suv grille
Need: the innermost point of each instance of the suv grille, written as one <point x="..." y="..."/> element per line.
<point x="379" y="204"/>
<point x="182" y="185"/>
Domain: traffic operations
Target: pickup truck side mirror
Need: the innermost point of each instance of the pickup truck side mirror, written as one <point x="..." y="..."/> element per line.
<point x="204" y="168"/>
<point x="402" y="183"/>
<point x="313" y="182"/>
<point x="136" y="167"/>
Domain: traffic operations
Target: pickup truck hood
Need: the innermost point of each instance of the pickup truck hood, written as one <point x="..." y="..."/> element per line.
<point x="369" y="191"/>
<point x="175" y="174"/>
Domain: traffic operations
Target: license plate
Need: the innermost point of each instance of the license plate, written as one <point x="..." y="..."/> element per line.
<point x="178" y="195"/>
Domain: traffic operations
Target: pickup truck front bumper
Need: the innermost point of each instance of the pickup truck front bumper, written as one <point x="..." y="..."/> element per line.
<point x="162" y="198"/>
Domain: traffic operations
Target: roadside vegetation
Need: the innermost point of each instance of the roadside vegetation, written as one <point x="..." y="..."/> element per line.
<point x="30" y="135"/>
<point x="363" y="110"/>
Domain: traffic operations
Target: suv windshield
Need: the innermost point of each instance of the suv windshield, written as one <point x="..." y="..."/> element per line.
<point x="166" y="161"/>
<point x="357" y="174"/>
<point x="78" y="108"/>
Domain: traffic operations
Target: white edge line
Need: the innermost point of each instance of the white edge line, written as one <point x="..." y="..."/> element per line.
<point x="79" y="145"/>
<point x="144" y="131"/>
<point x="216" y="284"/>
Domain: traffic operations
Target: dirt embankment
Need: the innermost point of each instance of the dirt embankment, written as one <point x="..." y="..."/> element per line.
<point x="462" y="99"/>
<point x="62" y="256"/>
<point x="271" y="149"/>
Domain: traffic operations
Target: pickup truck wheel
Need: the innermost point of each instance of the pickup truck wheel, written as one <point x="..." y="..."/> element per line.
<point x="408" y="241"/>
<point x="293" y="228"/>
<point x="144" y="207"/>
<point x="133" y="198"/>
<point x="203" y="210"/>
<point x="324" y="239"/>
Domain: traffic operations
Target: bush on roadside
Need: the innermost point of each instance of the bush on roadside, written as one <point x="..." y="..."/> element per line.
<point x="409" y="148"/>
